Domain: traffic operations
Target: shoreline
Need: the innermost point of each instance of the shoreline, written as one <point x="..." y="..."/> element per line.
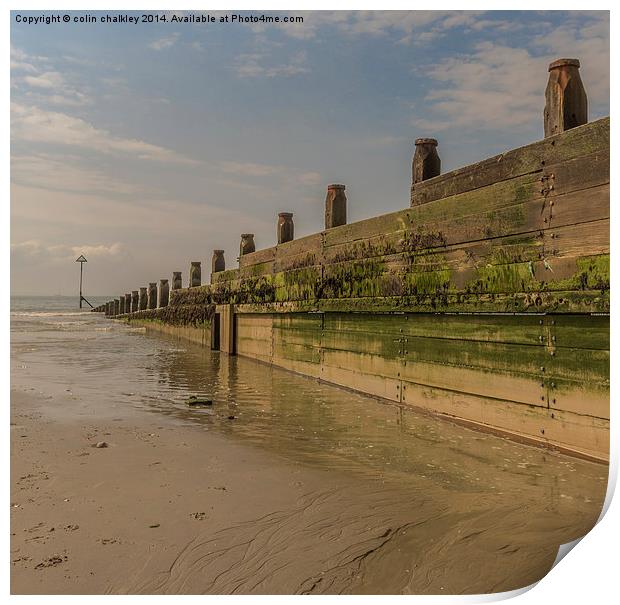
<point x="82" y="516"/>
<point x="169" y="507"/>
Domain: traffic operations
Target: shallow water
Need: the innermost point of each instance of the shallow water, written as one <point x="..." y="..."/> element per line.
<point x="443" y="483"/>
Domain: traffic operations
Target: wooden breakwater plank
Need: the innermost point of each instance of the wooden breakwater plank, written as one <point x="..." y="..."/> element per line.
<point x="254" y="336"/>
<point x="584" y="301"/>
<point x="299" y="253"/>
<point x="588" y="365"/>
<point x="522" y="329"/>
<point x="572" y="432"/>
<point x="571" y="176"/>
<point x="531" y="158"/>
<point x="369" y="383"/>
<point x="199" y="335"/>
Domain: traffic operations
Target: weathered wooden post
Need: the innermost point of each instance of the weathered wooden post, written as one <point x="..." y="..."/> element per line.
<point x="566" y="102"/>
<point x="194" y="274"/>
<point x="128" y="302"/>
<point x="142" y="300"/>
<point x="177" y="280"/>
<point x="151" y="296"/>
<point x="117" y="304"/>
<point x="247" y="245"/>
<point x="217" y="261"/>
<point x="335" y="206"/>
<point x="107" y="309"/>
<point x="286" y="229"/>
<point x="121" y="305"/>
<point x="135" y="300"/>
<point x="426" y="163"/>
<point x="163" y="294"/>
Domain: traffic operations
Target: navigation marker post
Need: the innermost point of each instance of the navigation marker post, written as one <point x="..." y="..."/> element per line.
<point x="82" y="260"/>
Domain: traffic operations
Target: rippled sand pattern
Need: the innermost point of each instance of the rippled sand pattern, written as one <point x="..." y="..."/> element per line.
<point x="413" y="504"/>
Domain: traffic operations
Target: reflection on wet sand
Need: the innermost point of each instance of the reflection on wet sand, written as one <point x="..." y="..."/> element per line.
<point x="412" y="504"/>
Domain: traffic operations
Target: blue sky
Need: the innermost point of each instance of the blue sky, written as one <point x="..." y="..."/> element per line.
<point x="147" y="146"/>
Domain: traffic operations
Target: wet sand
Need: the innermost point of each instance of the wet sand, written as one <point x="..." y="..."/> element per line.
<point x="171" y="509"/>
<point x="308" y="489"/>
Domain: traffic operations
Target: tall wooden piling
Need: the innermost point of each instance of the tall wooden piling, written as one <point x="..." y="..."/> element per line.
<point x="177" y="280"/>
<point x="247" y="245"/>
<point x="566" y="102"/>
<point x="151" y="296"/>
<point x="426" y="163"/>
<point x="218" y="263"/>
<point x="143" y="299"/>
<point x="135" y="301"/>
<point x="117" y="304"/>
<point x="286" y="229"/>
<point x="195" y="278"/>
<point x="121" y="305"/>
<point x="128" y="302"/>
<point x="335" y="206"/>
<point x="163" y="293"/>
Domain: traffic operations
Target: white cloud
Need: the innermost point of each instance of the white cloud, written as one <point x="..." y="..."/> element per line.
<point x="43" y="84"/>
<point x="249" y="168"/>
<point x="310" y="178"/>
<point x="63" y="173"/>
<point x="253" y="66"/>
<point x="48" y="79"/>
<point x="21" y="61"/>
<point x="499" y="87"/>
<point x="165" y="42"/>
<point x="32" y="124"/>
<point x="405" y="26"/>
<point x="35" y="250"/>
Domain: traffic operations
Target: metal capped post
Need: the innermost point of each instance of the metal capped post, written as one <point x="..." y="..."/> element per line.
<point x="195" y="278"/>
<point x="142" y="299"/>
<point x="286" y="229"/>
<point x="247" y="245"/>
<point x="177" y="280"/>
<point x="218" y="263"/>
<point x="426" y="163"/>
<point x="163" y="293"/>
<point x="566" y="102"/>
<point x="151" y="296"/>
<point x="335" y="206"/>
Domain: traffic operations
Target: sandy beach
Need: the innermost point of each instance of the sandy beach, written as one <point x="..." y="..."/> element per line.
<point x="169" y="509"/>
<point x="114" y="519"/>
<point x="283" y="485"/>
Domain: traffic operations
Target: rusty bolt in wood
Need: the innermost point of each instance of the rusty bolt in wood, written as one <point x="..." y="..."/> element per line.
<point x="566" y="102"/>
<point x="286" y="229"/>
<point x="335" y="206"/>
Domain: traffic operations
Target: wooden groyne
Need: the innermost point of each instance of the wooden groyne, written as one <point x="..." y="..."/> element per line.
<point x="485" y="301"/>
